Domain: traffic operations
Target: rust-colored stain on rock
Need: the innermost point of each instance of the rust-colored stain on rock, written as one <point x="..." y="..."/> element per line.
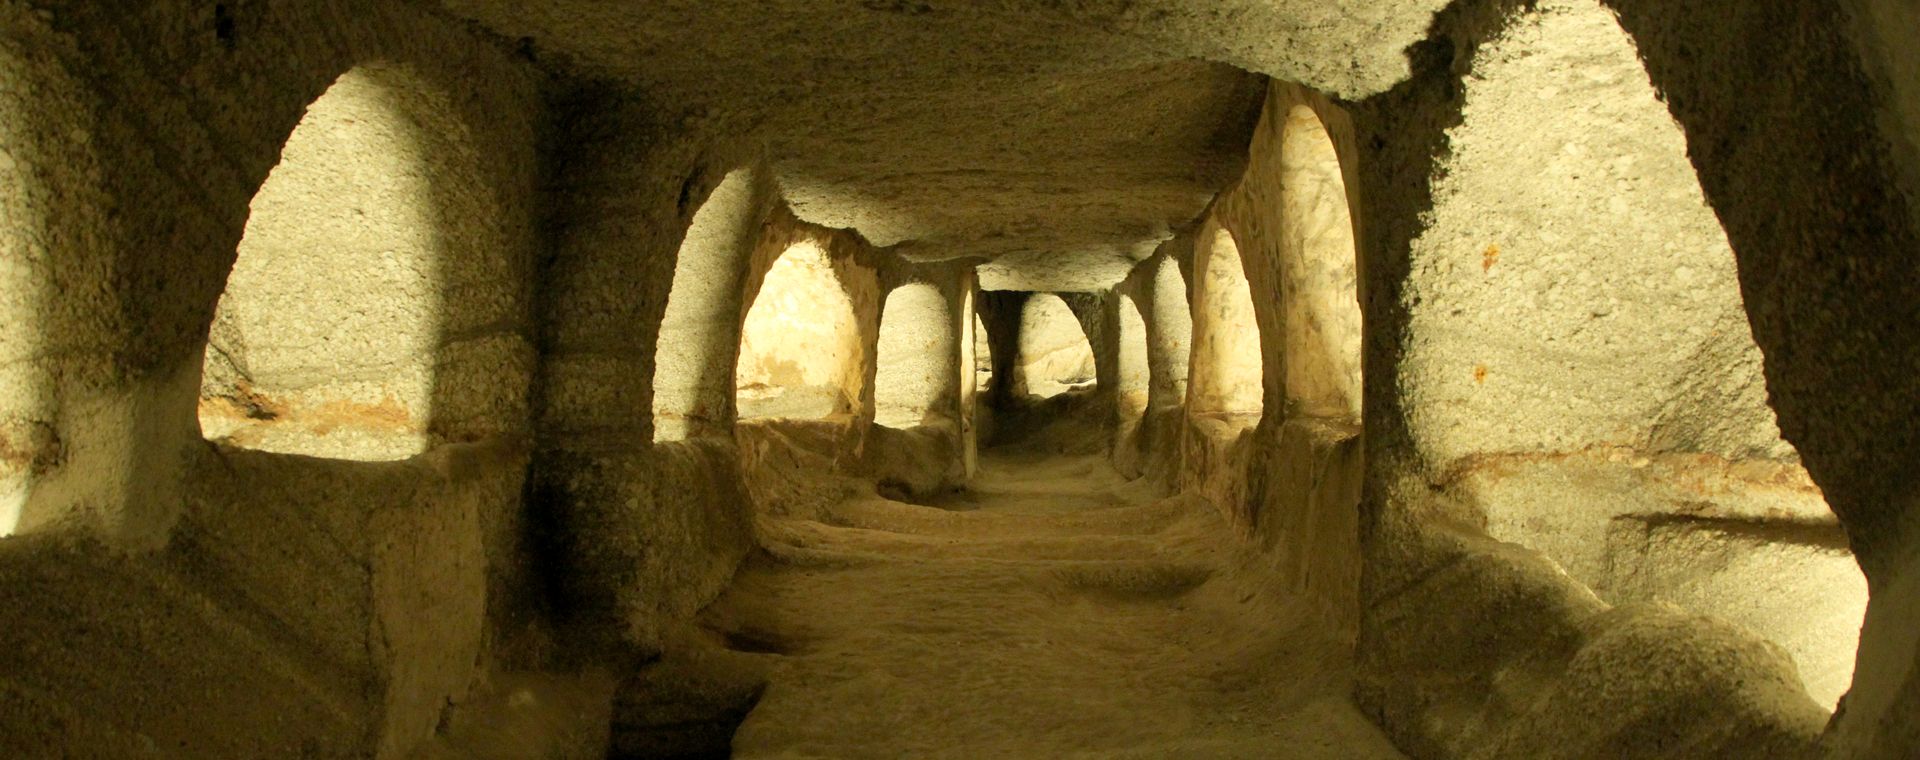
<point x="1490" y="257"/>
<point x="1479" y="374"/>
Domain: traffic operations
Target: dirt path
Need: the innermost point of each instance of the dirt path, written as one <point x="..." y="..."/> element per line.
<point x="1055" y="611"/>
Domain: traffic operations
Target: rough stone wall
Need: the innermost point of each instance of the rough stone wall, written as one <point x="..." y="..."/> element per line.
<point x="1635" y="358"/>
<point x="699" y="334"/>
<point x="225" y="603"/>
<point x="1228" y="358"/>
<point x="379" y="302"/>
<point x="918" y="355"/>
<point x="54" y="203"/>
<point x="1134" y="380"/>
<point x="1276" y="449"/>
<point x="1576" y="290"/>
<point x="1547" y="669"/>
<point x="1055" y="354"/>
<point x="1819" y="202"/>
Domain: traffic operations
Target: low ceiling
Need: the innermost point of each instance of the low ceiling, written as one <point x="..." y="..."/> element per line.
<point x="1061" y="140"/>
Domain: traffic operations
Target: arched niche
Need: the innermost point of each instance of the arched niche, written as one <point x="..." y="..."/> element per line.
<point x="698" y="344"/>
<point x="1135" y="371"/>
<point x="982" y="357"/>
<point x="1319" y="287"/>
<point x="1227" y="374"/>
<point x="1170" y="334"/>
<point x="1579" y="366"/>
<point x="1055" y="355"/>
<point x="800" y="349"/>
<point x="362" y="317"/>
<point x="916" y="356"/>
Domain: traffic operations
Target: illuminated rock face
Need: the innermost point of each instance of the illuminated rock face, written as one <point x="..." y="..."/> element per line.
<point x="799" y="346"/>
<point x="1469" y="380"/>
<point x="1055" y="355"/>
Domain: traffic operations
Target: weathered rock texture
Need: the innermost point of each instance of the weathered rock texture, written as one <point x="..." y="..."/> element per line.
<point x="167" y="596"/>
<point x="1550" y="366"/>
<point x="379" y="302"/>
<point x="693" y="394"/>
<point x="1055" y="354"/>
<point x="1545" y="66"/>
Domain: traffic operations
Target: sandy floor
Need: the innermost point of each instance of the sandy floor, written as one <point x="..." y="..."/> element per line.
<point x="1053" y="611"/>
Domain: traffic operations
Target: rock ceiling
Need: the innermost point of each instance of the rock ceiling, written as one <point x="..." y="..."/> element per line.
<point x="1060" y="139"/>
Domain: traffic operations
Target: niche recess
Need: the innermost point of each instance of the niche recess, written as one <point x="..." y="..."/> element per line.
<point x="1319" y="278"/>
<point x="332" y="330"/>
<point x="1136" y="373"/>
<point x="1226" y="369"/>
<point x="1170" y="335"/>
<point x="916" y="356"/>
<point x="1055" y="355"/>
<point x="1581" y="365"/>
<point x="694" y="362"/>
<point x="800" y="344"/>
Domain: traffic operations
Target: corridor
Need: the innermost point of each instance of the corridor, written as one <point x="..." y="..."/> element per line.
<point x="689" y="379"/>
<point x="1051" y="609"/>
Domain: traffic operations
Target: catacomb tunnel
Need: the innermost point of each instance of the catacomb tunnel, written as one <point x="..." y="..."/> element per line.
<point x="931" y="378"/>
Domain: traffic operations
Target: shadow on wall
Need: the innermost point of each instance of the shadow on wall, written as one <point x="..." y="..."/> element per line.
<point x="372" y="309"/>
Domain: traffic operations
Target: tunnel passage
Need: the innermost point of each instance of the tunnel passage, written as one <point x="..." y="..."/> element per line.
<point x="1467" y="379"/>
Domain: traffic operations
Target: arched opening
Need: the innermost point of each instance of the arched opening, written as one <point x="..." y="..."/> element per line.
<point x="1585" y="375"/>
<point x="1319" y="287"/>
<point x="1226" y="368"/>
<point x="982" y="357"/>
<point x="373" y="264"/>
<point x="1133" y="393"/>
<point x="1136" y="376"/>
<point x="1170" y="335"/>
<point x="694" y="361"/>
<point x="800" y="343"/>
<point x="916" y="356"/>
<point x="1055" y="355"/>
